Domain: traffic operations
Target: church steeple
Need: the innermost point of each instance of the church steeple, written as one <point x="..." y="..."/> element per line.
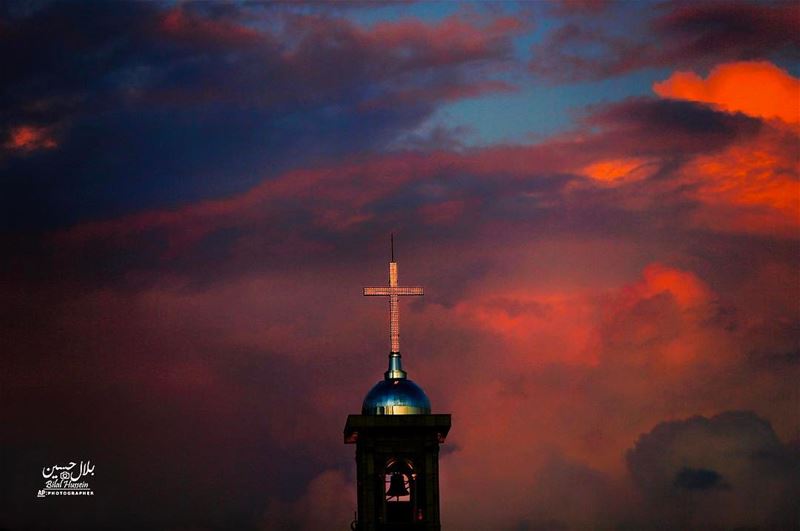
<point x="397" y="439"/>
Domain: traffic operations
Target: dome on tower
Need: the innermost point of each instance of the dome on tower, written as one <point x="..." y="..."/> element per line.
<point x="398" y="396"/>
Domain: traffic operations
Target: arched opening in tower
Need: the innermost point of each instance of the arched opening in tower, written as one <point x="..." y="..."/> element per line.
<point x="400" y="491"/>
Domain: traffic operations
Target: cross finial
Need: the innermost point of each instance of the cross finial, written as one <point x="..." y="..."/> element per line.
<point x="393" y="291"/>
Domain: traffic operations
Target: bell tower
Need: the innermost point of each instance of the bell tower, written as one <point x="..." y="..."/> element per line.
<point x="397" y="440"/>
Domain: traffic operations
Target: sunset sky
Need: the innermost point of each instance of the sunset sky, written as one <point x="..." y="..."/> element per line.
<point x="601" y="199"/>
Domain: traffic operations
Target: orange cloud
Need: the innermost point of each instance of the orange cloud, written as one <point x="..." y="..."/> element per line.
<point x="756" y="88"/>
<point x="619" y="170"/>
<point x="30" y="138"/>
<point x="751" y="187"/>
<point x="651" y="317"/>
<point x="685" y="288"/>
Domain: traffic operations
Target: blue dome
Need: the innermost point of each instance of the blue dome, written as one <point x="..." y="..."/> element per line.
<point x="398" y="396"/>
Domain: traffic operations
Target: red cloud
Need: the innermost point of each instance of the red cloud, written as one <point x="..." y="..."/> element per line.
<point x="452" y="39"/>
<point x="756" y="88"/>
<point x="683" y="287"/>
<point x="408" y="61"/>
<point x="657" y="313"/>
<point x="181" y="24"/>
<point x="30" y="138"/>
<point x="661" y="320"/>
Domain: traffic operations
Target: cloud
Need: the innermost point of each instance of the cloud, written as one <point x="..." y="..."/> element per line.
<point x="698" y="479"/>
<point x="630" y="168"/>
<point x="757" y="180"/>
<point x="719" y="31"/>
<point x="27" y="138"/>
<point x="756" y="88"/>
<point x="570" y="495"/>
<point x="658" y="322"/>
<point x="673" y="127"/>
<point x="220" y="96"/>
<point x="596" y="353"/>
<point x="196" y="28"/>
<point x="614" y="171"/>
<point x="758" y="176"/>
<point x="729" y="470"/>
<point x="618" y="40"/>
<point x="660" y="345"/>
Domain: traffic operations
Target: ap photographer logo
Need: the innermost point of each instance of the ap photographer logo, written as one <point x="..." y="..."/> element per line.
<point x="67" y="480"/>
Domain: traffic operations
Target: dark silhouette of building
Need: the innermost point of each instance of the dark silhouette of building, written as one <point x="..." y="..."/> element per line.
<point x="397" y="441"/>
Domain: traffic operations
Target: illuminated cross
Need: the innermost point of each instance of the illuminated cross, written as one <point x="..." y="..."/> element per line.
<point x="393" y="291"/>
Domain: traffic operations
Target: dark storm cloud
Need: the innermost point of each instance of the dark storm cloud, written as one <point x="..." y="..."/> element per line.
<point x="109" y="108"/>
<point x="725" y="471"/>
<point x="698" y="479"/>
<point x="602" y="43"/>
<point x="731" y="30"/>
<point x="672" y="127"/>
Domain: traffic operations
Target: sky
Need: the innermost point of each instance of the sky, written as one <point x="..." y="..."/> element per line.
<point x="601" y="199"/>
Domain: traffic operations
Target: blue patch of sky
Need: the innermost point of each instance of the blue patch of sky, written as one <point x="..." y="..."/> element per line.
<point x="427" y="11"/>
<point x="538" y="109"/>
<point x="534" y="110"/>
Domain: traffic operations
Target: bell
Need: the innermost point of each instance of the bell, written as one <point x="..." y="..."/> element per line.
<point x="397" y="486"/>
